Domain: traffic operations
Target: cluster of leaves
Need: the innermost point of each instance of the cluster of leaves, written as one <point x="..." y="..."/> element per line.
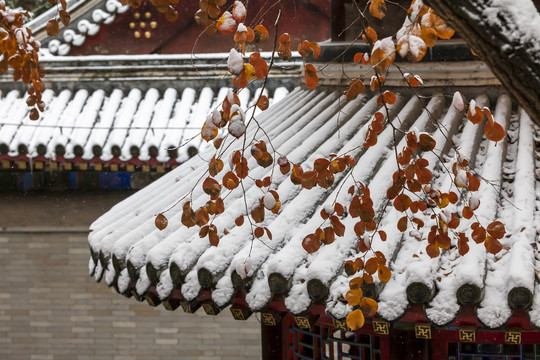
<point x="19" y="50"/>
<point x="431" y="214"/>
<point x="53" y="28"/>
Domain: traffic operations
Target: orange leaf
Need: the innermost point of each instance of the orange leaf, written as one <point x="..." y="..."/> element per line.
<point x="402" y="224"/>
<point x="211" y="187"/>
<point x="358" y="57"/>
<point x="261" y="34"/>
<point x="64" y="17"/>
<point x="389" y="97"/>
<point x="432" y="250"/>
<point x="258" y="232"/>
<point x="311" y="244"/>
<point x="230" y="180"/>
<point x="303" y="48"/>
<point x="402" y="202"/>
<point x="492" y="245"/>
<point x="259" y="64"/>
<point x="384" y="273"/>
<point x="239" y="221"/>
<point x="257" y="213"/>
<point x="377" y="8"/>
<point x="494" y="131"/>
<point x="311" y="77"/>
<point x="467" y="212"/>
<point x="263" y="103"/>
<point x="284" y="49"/>
<point x="383" y="54"/>
<point x="349" y="270"/>
<point x="371" y="266"/>
<point x="215" y="166"/>
<point x="339" y="228"/>
<point x="357" y="282"/>
<point x="355" y="88"/>
<point x="161" y="221"/>
<point x="479" y="234"/>
<point x="371" y="35"/>
<point x="426" y="142"/>
<point x="355" y="320"/>
<point x="52" y="27"/>
<point x="496" y="229"/>
<point x="226" y="24"/>
<point x="475" y="116"/>
<point x="316" y="48"/>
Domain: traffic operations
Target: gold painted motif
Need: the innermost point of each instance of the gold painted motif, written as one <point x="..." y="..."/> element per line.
<point x="185" y="307"/>
<point x="512" y="337"/>
<point x="113" y="167"/>
<point x="302" y="322"/>
<point x="340" y="325"/>
<point x="21" y="165"/>
<point x="268" y="319"/>
<point x="98" y="167"/>
<point x="38" y="165"/>
<point x="150" y="301"/>
<point x="467" y="335"/>
<point x="381" y="327"/>
<point x="208" y="309"/>
<point x="6" y="164"/>
<point x="167" y="305"/>
<point x="422" y="331"/>
<point x="237" y="314"/>
<point x="130" y="167"/>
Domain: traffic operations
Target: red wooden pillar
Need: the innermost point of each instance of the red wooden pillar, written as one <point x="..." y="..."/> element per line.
<point x="385" y="347"/>
<point x="274" y="340"/>
<point x="439" y="345"/>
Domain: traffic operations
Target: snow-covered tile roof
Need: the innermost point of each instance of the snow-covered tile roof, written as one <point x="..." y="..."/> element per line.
<point x="134" y="256"/>
<point x="128" y="127"/>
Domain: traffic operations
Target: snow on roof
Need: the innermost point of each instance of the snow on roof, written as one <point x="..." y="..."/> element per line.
<point x="135" y="257"/>
<point x="84" y="23"/>
<point x="95" y="126"/>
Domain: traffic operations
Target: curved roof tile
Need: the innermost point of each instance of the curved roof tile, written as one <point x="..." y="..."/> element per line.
<point x="136" y="257"/>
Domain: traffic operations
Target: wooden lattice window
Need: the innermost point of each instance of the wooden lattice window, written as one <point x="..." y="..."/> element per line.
<point x="473" y="351"/>
<point x="325" y="343"/>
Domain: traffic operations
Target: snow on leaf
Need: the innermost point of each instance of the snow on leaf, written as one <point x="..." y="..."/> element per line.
<point x="226" y="23"/>
<point x="239" y="11"/>
<point x="235" y="63"/>
<point x="383" y="54"/>
<point x="457" y="102"/>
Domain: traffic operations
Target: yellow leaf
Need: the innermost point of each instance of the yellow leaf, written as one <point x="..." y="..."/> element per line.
<point x="354" y="297"/>
<point x="355" y="320"/>
<point x="369" y="306"/>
